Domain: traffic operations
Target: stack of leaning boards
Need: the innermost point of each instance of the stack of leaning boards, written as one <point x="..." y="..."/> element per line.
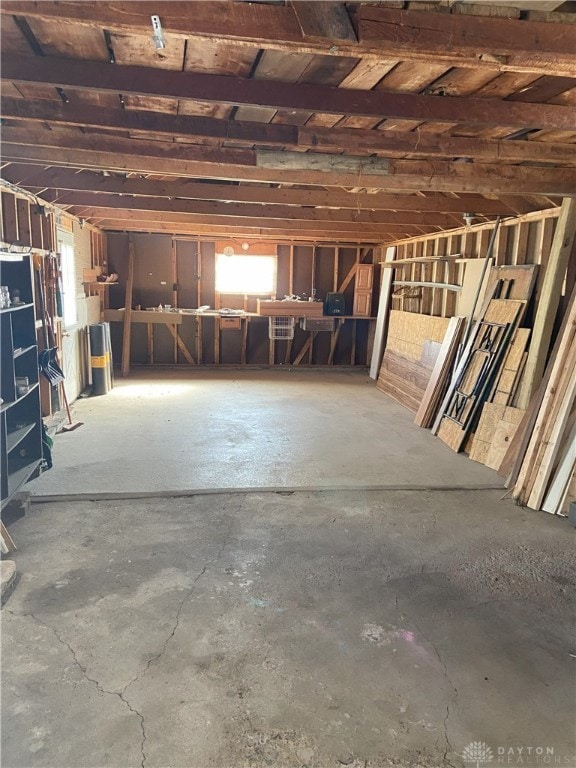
<point x="541" y="459"/>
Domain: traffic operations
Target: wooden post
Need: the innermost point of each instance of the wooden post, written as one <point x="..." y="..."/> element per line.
<point x="199" y="277"/>
<point x="336" y="264"/>
<point x="384" y="307"/>
<point x="217" y="338"/>
<point x="548" y="302"/>
<point x="334" y="339"/>
<point x="244" y="321"/>
<point x="199" y="331"/>
<point x="128" y="309"/>
<point x="271" y="351"/>
<point x="150" y="339"/>
<point x="175" y="295"/>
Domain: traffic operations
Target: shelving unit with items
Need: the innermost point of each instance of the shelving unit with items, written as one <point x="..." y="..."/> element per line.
<point x="20" y="416"/>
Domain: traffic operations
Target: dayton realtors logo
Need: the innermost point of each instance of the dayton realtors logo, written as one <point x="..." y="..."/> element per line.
<point x="479" y="754"/>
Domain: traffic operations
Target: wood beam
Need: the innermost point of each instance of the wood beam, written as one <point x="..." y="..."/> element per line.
<point x="221" y="89"/>
<point x="35" y="178"/>
<point x="246" y="210"/>
<point x="118" y="153"/>
<point x="550" y="295"/>
<point x="506" y="44"/>
<point x="212" y="232"/>
<point x="355" y="140"/>
<point x="343" y="228"/>
<point x="465" y="36"/>
<point x="324" y="19"/>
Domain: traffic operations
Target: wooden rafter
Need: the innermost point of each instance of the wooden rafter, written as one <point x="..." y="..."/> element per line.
<point x="118" y="153"/>
<point x="218" y="232"/>
<point x="33" y="177"/>
<point x="391" y="143"/>
<point x="512" y="41"/>
<point x="279" y="212"/>
<point x="220" y="89"/>
<point x="262" y="222"/>
<point x="492" y="43"/>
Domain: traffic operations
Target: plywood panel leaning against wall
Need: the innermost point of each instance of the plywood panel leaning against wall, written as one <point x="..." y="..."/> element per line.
<point x="412" y="348"/>
<point x="532" y="281"/>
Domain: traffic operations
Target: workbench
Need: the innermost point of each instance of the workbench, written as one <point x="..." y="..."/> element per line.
<point x="202" y="343"/>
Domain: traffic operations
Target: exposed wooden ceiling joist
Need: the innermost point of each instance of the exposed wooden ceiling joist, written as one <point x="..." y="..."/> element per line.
<point x="236" y="232"/>
<point x="467" y="41"/>
<point x="354" y="141"/>
<point x="118" y="153"/>
<point x="246" y="210"/>
<point x="512" y="41"/>
<point x="33" y="177"/>
<point x="327" y="229"/>
<point x="219" y="89"/>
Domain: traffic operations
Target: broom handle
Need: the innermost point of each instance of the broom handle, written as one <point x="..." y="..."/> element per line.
<point x="66" y="403"/>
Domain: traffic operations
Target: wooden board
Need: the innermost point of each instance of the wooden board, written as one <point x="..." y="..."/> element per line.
<point x="126" y="331"/>
<point x="498" y="311"/>
<point x="557" y="379"/>
<point x="412" y="349"/>
<point x="381" y="322"/>
<point x="560" y="486"/>
<point x="290" y="308"/>
<point x="440" y="372"/>
<point x="505" y="385"/>
<point x="496" y="428"/>
<point x="473" y="274"/>
<point x="143" y="316"/>
<point x="403" y="380"/>
<point x="518" y="281"/>
<point x="549" y="299"/>
<point x="408" y="333"/>
<point x="555" y="433"/>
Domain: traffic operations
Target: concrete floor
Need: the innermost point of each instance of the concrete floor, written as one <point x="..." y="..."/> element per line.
<point x="249" y="429"/>
<point x="363" y="629"/>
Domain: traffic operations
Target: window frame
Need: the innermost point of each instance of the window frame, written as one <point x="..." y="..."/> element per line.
<point x="67" y="252"/>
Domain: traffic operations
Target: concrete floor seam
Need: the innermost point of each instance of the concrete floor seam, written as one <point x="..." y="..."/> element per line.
<point x="169" y="494"/>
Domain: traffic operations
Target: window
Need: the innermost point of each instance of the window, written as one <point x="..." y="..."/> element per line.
<point x="246" y="274"/>
<point x="66" y="249"/>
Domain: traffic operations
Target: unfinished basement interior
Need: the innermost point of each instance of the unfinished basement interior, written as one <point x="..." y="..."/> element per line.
<point x="288" y="384"/>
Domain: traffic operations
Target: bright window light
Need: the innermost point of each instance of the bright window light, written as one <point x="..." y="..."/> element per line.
<point x="68" y="285"/>
<point x="246" y="274"/>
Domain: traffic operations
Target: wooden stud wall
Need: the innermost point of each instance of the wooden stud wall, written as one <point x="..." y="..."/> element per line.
<point x="526" y="239"/>
<point x="26" y="224"/>
<point x="164" y="261"/>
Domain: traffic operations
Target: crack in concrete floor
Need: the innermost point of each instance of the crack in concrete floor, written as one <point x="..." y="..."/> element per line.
<point x="262" y="658"/>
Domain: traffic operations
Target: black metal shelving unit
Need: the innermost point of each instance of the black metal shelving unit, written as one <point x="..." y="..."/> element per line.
<point x="20" y="414"/>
